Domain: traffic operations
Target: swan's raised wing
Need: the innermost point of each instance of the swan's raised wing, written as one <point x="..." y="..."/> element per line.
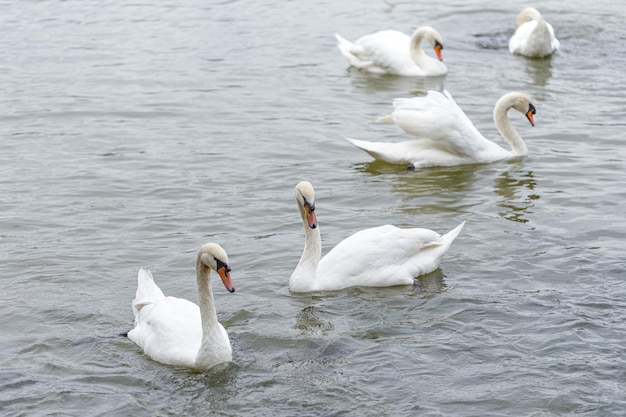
<point x="436" y="116"/>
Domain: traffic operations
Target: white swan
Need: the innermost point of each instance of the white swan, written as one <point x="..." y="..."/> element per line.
<point x="174" y="331"/>
<point x="377" y="257"/>
<point x="393" y="52"/>
<point x="448" y="137"/>
<point x="533" y="37"/>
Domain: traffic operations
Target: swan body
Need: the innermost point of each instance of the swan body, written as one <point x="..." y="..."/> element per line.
<point x="378" y="257"/>
<point x="447" y="136"/>
<point x="175" y="331"/>
<point x="533" y="37"/>
<point x="393" y="52"/>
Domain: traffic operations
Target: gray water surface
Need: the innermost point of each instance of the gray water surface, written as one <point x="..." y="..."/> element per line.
<point x="132" y="133"/>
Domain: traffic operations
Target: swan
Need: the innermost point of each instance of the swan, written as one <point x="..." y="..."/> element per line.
<point x="533" y="37"/>
<point x="378" y="257"/>
<point x="448" y="136"/>
<point x="175" y="331"/>
<point x="393" y="52"/>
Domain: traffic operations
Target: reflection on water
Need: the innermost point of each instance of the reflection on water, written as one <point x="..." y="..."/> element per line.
<point x="540" y="70"/>
<point x="517" y="189"/>
<point x="495" y="40"/>
<point x="427" y="190"/>
<point x="311" y="324"/>
<point x="368" y="83"/>
<point x="432" y="284"/>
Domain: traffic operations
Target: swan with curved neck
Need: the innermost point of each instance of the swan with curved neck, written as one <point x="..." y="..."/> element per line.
<point x="448" y="137"/>
<point x="175" y="331"/>
<point x="393" y="52"/>
<point x="377" y="257"/>
<point x="533" y="37"/>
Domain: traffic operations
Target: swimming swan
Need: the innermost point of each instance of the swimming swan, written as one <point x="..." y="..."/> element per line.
<point x="377" y="257"/>
<point x="174" y="331"/>
<point x="393" y="52"/>
<point x="448" y="136"/>
<point x="533" y="37"/>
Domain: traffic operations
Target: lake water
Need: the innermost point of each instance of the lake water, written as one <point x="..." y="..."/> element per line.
<point x="132" y="133"/>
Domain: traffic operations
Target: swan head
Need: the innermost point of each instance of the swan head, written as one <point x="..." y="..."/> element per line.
<point x="305" y="196"/>
<point x="433" y="37"/>
<point x="520" y="102"/>
<point x="213" y="256"/>
<point x="529" y="13"/>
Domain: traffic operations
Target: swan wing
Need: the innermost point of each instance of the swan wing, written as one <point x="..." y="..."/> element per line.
<point x="382" y="52"/>
<point x="381" y="256"/>
<point x="147" y="291"/>
<point x="437" y="117"/>
<point x="169" y="330"/>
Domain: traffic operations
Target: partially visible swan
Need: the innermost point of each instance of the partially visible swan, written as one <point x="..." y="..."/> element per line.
<point x="448" y="136"/>
<point x="534" y="37"/>
<point x="378" y="257"/>
<point x="174" y="331"/>
<point x="393" y="52"/>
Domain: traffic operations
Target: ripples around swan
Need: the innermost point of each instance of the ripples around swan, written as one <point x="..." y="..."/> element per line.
<point x="132" y="133"/>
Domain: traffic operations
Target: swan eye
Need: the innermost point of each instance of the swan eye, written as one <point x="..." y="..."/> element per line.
<point x="221" y="264"/>
<point x="309" y="205"/>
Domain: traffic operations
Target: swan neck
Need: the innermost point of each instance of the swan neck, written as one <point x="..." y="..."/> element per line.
<point x="507" y="130"/>
<point x="208" y="314"/>
<point x="417" y="53"/>
<point x="304" y="276"/>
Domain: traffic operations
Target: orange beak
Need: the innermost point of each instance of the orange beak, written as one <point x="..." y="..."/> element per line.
<point x="438" y="48"/>
<point x="311" y="218"/>
<point x="224" y="273"/>
<point x="529" y="114"/>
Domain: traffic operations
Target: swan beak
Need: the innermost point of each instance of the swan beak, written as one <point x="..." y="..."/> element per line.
<point x="311" y="218"/>
<point x="438" y="48"/>
<point x="223" y="271"/>
<point x="529" y="114"/>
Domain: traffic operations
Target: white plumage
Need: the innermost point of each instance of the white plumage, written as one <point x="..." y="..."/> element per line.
<point x="393" y="52"/>
<point x="175" y="331"/>
<point x="533" y="37"/>
<point x="377" y="257"/>
<point x="447" y="136"/>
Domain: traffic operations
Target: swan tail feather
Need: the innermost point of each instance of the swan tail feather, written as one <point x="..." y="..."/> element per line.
<point x="346" y="47"/>
<point x="147" y="290"/>
<point x="392" y="153"/>
<point x="447" y="239"/>
<point x="386" y="119"/>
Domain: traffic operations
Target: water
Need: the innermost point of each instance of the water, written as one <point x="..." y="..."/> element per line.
<point x="130" y="134"/>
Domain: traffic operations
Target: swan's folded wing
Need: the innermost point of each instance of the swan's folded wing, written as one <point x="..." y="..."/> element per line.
<point x="436" y="116"/>
<point x="387" y="50"/>
<point x="380" y="256"/>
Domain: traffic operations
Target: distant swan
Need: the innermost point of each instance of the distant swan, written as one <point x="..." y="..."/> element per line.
<point x="393" y="52"/>
<point x="174" y="331"/>
<point x="534" y="37"/>
<point x="448" y="136"/>
<point x="377" y="257"/>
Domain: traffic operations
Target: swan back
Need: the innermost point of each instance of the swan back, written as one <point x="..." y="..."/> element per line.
<point x="533" y="37"/>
